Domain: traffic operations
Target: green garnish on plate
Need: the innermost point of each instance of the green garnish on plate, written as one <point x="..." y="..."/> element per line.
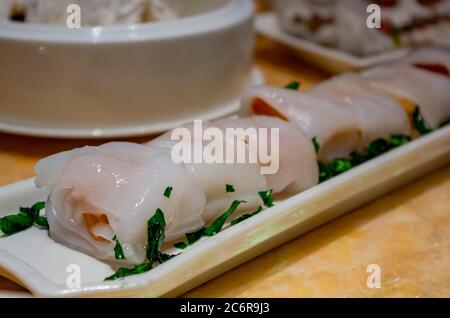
<point x="118" y="251"/>
<point x="217" y="225"/>
<point x="168" y="192"/>
<point x="211" y="230"/>
<point x="316" y="144"/>
<point x="397" y="36"/>
<point x="420" y="123"/>
<point x="123" y="271"/>
<point x="13" y="224"/>
<point x="34" y="211"/>
<point x="266" y="196"/>
<point x="398" y="140"/>
<point x="246" y="216"/>
<point x="26" y="218"/>
<point x="156" y="227"/>
<point x="372" y="150"/>
<point x="194" y="236"/>
<point x="336" y="167"/>
<point x="229" y="188"/>
<point x="181" y="245"/>
<point x="294" y="85"/>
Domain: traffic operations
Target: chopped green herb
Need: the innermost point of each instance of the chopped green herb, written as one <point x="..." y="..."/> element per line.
<point x="398" y="140"/>
<point x="246" y="216"/>
<point x="336" y="167"/>
<point x="294" y="85"/>
<point x="123" y="272"/>
<point x="229" y="188"/>
<point x="341" y="165"/>
<point x="324" y="172"/>
<point x="180" y="245"/>
<point x="316" y="144"/>
<point x="376" y="148"/>
<point x="41" y="221"/>
<point x="266" y="196"/>
<point x="165" y="257"/>
<point x="34" y="212"/>
<point x="38" y="206"/>
<point x="194" y="236"/>
<point x="214" y="228"/>
<point x="357" y="158"/>
<point x="420" y="123"/>
<point x="168" y="192"/>
<point x="397" y="36"/>
<point x="118" y="251"/>
<point x="156" y="227"/>
<point x="217" y="225"/>
<point x="13" y="224"/>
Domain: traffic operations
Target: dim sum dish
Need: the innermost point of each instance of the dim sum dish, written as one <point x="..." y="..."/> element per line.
<point x="343" y="24"/>
<point x="137" y="223"/>
<point x="326" y="57"/>
<point x="343" y="35"/>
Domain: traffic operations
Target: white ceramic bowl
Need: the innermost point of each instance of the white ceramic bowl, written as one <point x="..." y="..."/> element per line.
<point x="125" y="80"/>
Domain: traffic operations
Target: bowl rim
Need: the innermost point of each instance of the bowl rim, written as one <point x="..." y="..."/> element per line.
<point x="225" y="16"/>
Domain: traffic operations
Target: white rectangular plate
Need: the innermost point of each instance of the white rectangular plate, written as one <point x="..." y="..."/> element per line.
<point x="330" y="59"/>
<point x="36" y="262"/>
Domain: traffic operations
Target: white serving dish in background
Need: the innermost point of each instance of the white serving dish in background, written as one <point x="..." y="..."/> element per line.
<point x="35" y="261"/>
<point x="125" y="80"/>
<point x="327" y="58"/>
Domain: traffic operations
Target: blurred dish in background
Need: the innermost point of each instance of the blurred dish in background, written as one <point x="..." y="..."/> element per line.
<point x="94" y="12"/>
<point x="263" y="5"/>
<point x="342" y="24"/>
<point x="326" y="57"/>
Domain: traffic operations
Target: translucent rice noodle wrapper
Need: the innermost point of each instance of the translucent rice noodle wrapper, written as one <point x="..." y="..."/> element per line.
<point x="246" y="178"/>
<point x="432" y="59"/>
<point x="112" y="190"/>
<point x="296" y="165"/>
<point x="414" y="86"/>
<point x="336" y="128"/>
<point x="379" y="115"/>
